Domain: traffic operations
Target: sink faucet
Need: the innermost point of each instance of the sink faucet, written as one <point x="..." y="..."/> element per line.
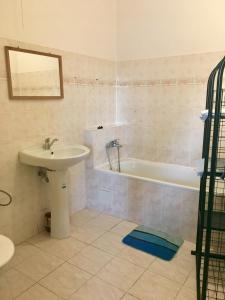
<point x="48" y="143"/>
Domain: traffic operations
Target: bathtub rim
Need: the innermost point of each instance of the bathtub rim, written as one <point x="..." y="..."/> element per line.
<point x="101" y="168"/>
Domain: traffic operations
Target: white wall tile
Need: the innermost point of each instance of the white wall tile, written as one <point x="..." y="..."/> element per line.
<point x="27" y="122"/>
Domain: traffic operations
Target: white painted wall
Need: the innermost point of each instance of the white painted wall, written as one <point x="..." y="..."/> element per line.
<point x="150" y="28"/>
<point x="126" y="29"/>
<point x="82" y="26"/>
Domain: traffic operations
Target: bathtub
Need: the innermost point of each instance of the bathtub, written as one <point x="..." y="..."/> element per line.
<point x="161" y="173"/>
<point x="159" y="195"/>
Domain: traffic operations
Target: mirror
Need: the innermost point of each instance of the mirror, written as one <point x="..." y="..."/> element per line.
<point x="33" y="75"/>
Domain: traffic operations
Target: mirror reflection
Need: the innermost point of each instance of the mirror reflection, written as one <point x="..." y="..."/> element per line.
<point x="33" y="74"/>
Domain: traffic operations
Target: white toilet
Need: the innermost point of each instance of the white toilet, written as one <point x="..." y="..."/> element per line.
<point x="7" y="250"/>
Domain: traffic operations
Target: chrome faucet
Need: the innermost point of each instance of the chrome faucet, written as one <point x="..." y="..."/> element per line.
<point x="114" y="144"/>
<point x="48" y="143"/>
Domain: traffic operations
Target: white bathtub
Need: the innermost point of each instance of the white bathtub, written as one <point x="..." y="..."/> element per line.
<point x="159" y="195"/>
<point x="169" y="174"/>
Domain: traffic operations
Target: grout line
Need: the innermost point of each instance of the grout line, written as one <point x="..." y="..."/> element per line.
<point x="129" y="294"/>
<point x="158" y="273"/>
<point x="95" y="275"/>
<point x="22" y="13"/>
<point x="73" y="292"/>
<point x="98" y="279"/>
<point x="113" y="257"/>
<point x="25" y="289"/>
<point x="146" y="268"/>
<point x="139" y="277"/>
<point x="82" y="286"/>
<point x="47" y="289"/>
<point x="93" y="240"/>
<point x="48" y="272"/>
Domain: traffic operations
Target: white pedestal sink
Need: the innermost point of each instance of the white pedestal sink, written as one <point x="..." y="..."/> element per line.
<point x="56" y="161"/>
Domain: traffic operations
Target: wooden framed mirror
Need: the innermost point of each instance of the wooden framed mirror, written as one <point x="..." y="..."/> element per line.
<point x="33" y="75"/>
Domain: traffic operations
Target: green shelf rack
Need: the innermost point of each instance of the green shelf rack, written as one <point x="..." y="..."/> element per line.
<point x="210" y="241"/>
<point x="217" y="222"/>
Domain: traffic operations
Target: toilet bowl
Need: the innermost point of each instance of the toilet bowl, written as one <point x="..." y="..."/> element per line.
<point x="7" y="250"/>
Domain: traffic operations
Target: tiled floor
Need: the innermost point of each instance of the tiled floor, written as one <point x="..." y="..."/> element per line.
<point x="93" y="264"/>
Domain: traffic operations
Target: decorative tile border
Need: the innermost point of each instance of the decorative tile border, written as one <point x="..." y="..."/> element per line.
<point x="83" y="81"/>
<point x="139" y="83"/>
<point x="89" y="81"/>
<point x="95" y="81"/>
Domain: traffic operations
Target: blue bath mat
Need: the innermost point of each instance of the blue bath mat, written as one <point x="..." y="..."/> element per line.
<point x="153" y="242"/>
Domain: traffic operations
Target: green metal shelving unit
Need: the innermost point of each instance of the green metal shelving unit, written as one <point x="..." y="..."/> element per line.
<point x="210" y="243"/>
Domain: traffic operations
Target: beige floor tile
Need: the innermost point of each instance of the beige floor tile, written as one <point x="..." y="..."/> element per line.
<point x="184" y="253"/>
<point x="22" y="252"/>
<point x="189" y="246"/>
<point x="110" y="242"/>
<point x="191" y="281"/>
<point x="124" y="227"/>
<point x="13" y="283"/>
<point x="65" y="280"/>
<point x="87" y="234"/>
<point x="4" y="269"/>
<point x="173" y="270"/>
<point x="186" y="294"/>
<point x="120" y="273"/>
<point x="66" y="248"/>
<point x="43" y="258"/>
<point x="186" y="260"/>
<point x="91" y="259"/>
<point x="105" y="222"/>
<point x="152" y="286"/>
<point x="96" y="289"/>
<point x="137" y="257"/>
<point x="39" y="265"/>
<point x="38" y="292"/>
<point x="83" y="216"/>
<point x="41" y="239"/>
<point x="63" y="249"/>
<point x="129" y="297"/>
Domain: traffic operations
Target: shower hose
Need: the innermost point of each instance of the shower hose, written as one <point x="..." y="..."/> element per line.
<point x="8" y="195"/>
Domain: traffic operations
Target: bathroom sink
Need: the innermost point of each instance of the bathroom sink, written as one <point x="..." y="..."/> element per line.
<point x="57" y="158"/>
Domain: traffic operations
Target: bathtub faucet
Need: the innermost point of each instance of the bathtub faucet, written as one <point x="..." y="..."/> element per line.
<point x="114" y="144"/>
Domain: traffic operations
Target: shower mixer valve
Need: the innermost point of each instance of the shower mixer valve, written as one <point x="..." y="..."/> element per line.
<point x="113" y="144"/>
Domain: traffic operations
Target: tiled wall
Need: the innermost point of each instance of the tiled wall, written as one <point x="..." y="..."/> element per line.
<point x="96" y="139"/>
<point x="161" y="100"/>
<point x="89" y="85"/>
<point x="167" y="208"/>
